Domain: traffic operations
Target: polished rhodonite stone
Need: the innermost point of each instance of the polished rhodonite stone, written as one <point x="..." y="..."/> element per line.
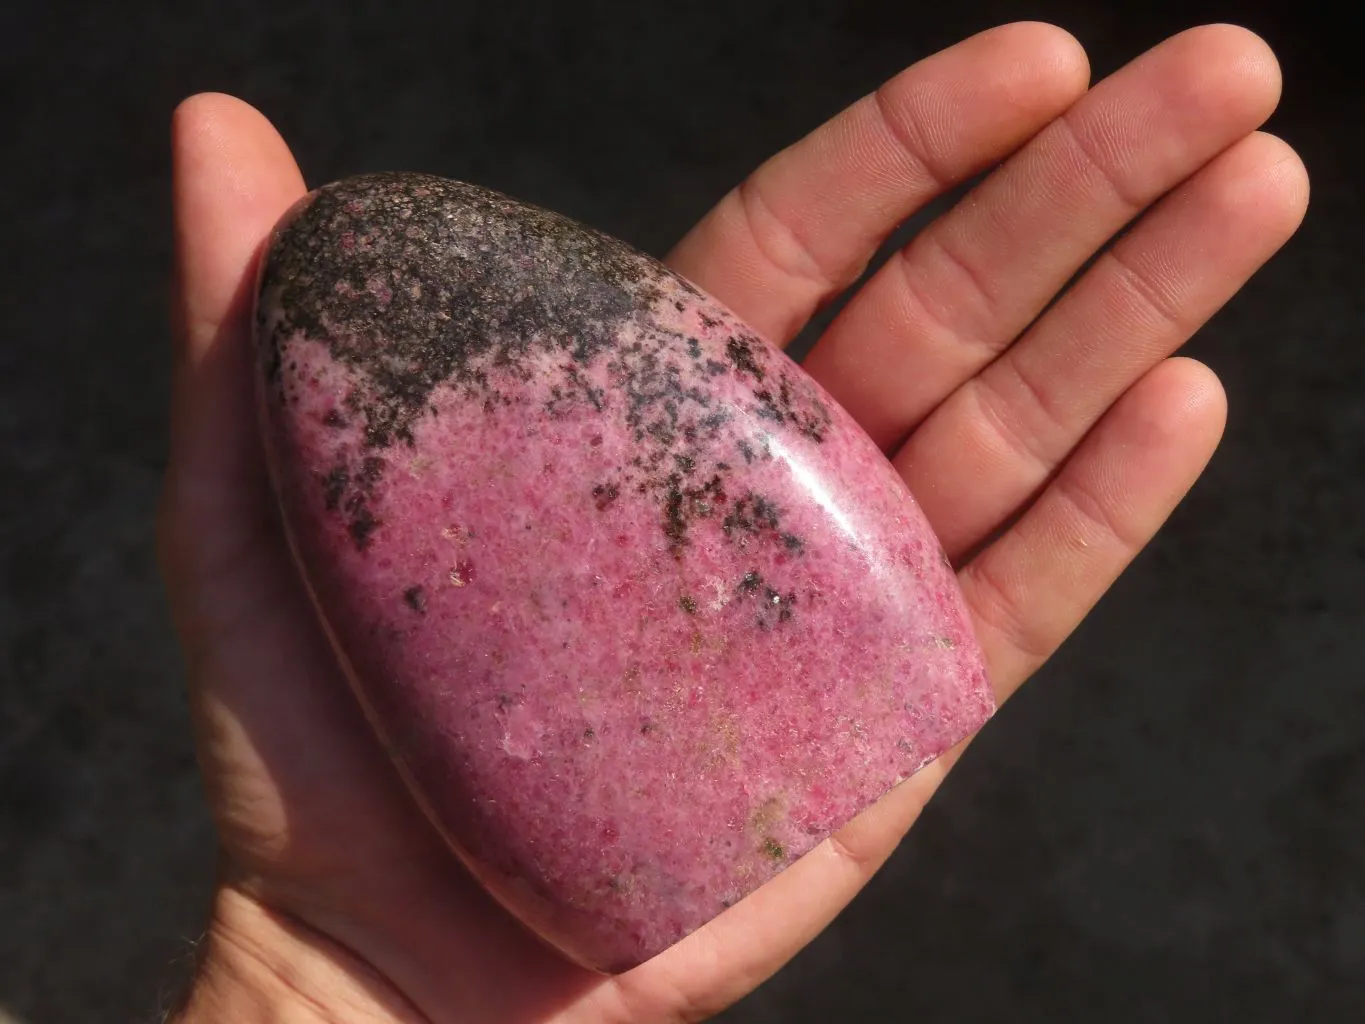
<point x="640" y="611"/>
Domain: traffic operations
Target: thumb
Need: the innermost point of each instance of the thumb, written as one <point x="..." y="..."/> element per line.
<point x="233" y="177"/>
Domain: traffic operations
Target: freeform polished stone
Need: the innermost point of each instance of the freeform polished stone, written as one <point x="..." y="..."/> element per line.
<point x="641" y="613"/>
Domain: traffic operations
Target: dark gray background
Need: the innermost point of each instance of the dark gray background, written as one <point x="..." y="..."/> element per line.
<point x="1166" y="825"/>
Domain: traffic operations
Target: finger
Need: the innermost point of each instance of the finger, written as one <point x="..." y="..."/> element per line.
<point x="991" y="445"/>
<point x="1031" y="587"/>
<point x="963" y="289"/>
<point x="803" y="226"/>
<point x="233" y="177"/>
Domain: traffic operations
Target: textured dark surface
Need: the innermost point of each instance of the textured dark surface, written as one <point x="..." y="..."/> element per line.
<point x="1167" y="824"/>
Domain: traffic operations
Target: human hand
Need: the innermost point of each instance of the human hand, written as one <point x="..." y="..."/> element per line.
<point x="1046" y="451"/>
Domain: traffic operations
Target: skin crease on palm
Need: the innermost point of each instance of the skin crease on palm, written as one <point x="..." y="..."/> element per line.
<point x="1045" y="451"/>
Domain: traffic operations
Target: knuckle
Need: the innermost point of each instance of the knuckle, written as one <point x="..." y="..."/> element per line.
<point x="999" y="604"/>
<point x="1024" y="444"/>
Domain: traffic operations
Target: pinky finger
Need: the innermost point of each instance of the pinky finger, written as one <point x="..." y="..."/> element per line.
<point x="1030" y="588"/>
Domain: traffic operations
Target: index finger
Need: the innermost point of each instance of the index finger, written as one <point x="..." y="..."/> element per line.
<point x="805" y="224"/>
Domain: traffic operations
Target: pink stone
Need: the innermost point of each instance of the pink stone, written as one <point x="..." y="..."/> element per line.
<point x="642" y="614"/>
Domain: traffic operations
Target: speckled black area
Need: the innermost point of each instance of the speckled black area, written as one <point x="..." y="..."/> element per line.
<point x="417" y="282"/>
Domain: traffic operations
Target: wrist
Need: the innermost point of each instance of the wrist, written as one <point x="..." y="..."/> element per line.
<point x="257" y="965"/>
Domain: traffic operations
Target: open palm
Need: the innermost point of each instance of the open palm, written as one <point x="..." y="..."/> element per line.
<point x="1045" y="450"/>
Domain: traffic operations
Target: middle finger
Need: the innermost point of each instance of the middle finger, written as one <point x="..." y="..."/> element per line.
<point x="967" y="285"/>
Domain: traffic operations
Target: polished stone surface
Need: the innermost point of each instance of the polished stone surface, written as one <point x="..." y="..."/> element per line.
<point x="641" y="612"/>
